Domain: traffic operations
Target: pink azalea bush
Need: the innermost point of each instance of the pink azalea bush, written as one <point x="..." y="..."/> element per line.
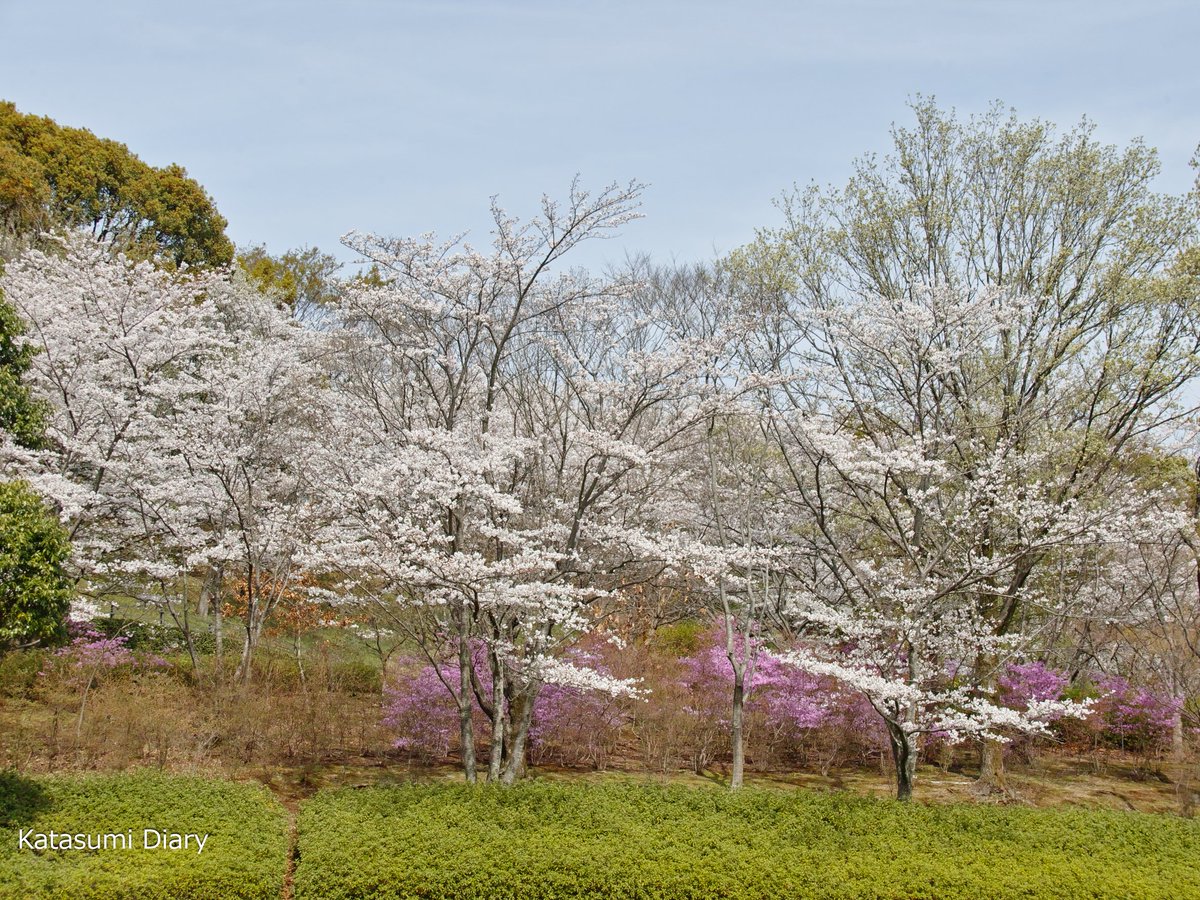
<point x="420" y="709"/>
<point x="576" y="727"/>
<point x="569" y="726"/>
<point x="790" y="713"/>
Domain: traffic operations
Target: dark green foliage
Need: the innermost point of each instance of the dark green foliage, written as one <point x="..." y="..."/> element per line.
<point x="555" y="841"/>
<point x="20" y="415"/>
<point x="244" y="858"/>
<point x="35" y="593"/>
<point x="53" y="175"/>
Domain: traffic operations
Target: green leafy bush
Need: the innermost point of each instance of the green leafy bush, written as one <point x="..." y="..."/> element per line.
<point x="244" y="856"/>
<point x="626" y="841"/>
<point x="681" y="638"/>
<point x="356" y="675"/>
<point x="35" y="591"/>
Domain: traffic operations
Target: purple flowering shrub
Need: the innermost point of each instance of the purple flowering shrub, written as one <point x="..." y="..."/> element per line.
<point x="1133" y="718"/>
<point x="421" y="710"/>
<point x="792" y="717"/>
<point x="1123" y="716"/>
<point x="790" y="713"/>
<point x="1023" y="683"/>
<point x="569" y="726"/>
<point x="574" y="727"/>
<point x="1031" y="682"/>
<point x="91" y="653"/>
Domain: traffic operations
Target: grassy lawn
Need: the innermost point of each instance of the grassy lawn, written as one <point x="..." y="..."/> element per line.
<point x="549" y="840"/>
<point x="243" y="856"/>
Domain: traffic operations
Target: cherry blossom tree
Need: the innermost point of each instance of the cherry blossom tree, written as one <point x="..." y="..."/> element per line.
<point x="919" y="526"/>
<point x="180" y="408"/>
<point x="877" y="298"/>
<point x="508" y="423"/>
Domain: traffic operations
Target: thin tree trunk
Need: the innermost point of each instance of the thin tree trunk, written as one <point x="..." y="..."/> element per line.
<point x="904" y="756"/>
<point x="466" y="727"/>
<point x="83" y="706"/>
<point x="191" y="644"/>
<point x="256" y="620"/>
<point x="242" y="675"/>
<point x="739" y="747"/>
<point x="210" y="591"/>
<point x="300" y="660"/>
<point x="219" y="638"/>
<point x="183" y="624"/>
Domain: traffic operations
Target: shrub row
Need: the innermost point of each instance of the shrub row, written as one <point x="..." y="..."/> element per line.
<point x="555" y="840"/>
<point x="543" y="840"/>
<point x="243" y="858"/>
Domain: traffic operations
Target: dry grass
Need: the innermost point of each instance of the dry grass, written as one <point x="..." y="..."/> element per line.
<point x="298" y="738"/>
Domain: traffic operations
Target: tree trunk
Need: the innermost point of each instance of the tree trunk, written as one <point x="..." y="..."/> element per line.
<point x="992" y="774"/>
<point x="242" y="675"/>
<point x="466" y="727"/>
<point x="300" y="660"/>
<point x="514" y="768"/>
<point x="253" y="628"/>
<point x="219" y="638"/>
<point x="210" y="591"/>
<point x="496" y="755"/>
<point x="255" y="621"/>
<point x="904" y="756"/>
<point x="187" y="636"/>
<point x="739" y="748"/>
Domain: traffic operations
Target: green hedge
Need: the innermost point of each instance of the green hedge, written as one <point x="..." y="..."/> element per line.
<point x="243" y="858"/>
<point x="626" y="841"/>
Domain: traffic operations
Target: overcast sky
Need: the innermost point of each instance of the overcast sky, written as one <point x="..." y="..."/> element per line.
<point x="305" y="120"/>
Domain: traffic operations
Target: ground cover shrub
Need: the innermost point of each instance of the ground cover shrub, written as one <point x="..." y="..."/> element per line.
<point x="243" y="858"/>
<point x="554" y="840"/>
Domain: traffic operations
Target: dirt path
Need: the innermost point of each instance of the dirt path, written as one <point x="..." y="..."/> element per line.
<point x="293" y="854"/>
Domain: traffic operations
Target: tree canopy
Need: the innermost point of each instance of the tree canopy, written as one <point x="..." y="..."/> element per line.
<point x="55" y="176"/>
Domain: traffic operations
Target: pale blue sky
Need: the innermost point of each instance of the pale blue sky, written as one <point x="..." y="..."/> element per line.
<point x="305" y="119"/>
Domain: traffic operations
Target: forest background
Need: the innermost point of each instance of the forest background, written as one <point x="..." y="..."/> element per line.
<point x="907" y="476"/>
